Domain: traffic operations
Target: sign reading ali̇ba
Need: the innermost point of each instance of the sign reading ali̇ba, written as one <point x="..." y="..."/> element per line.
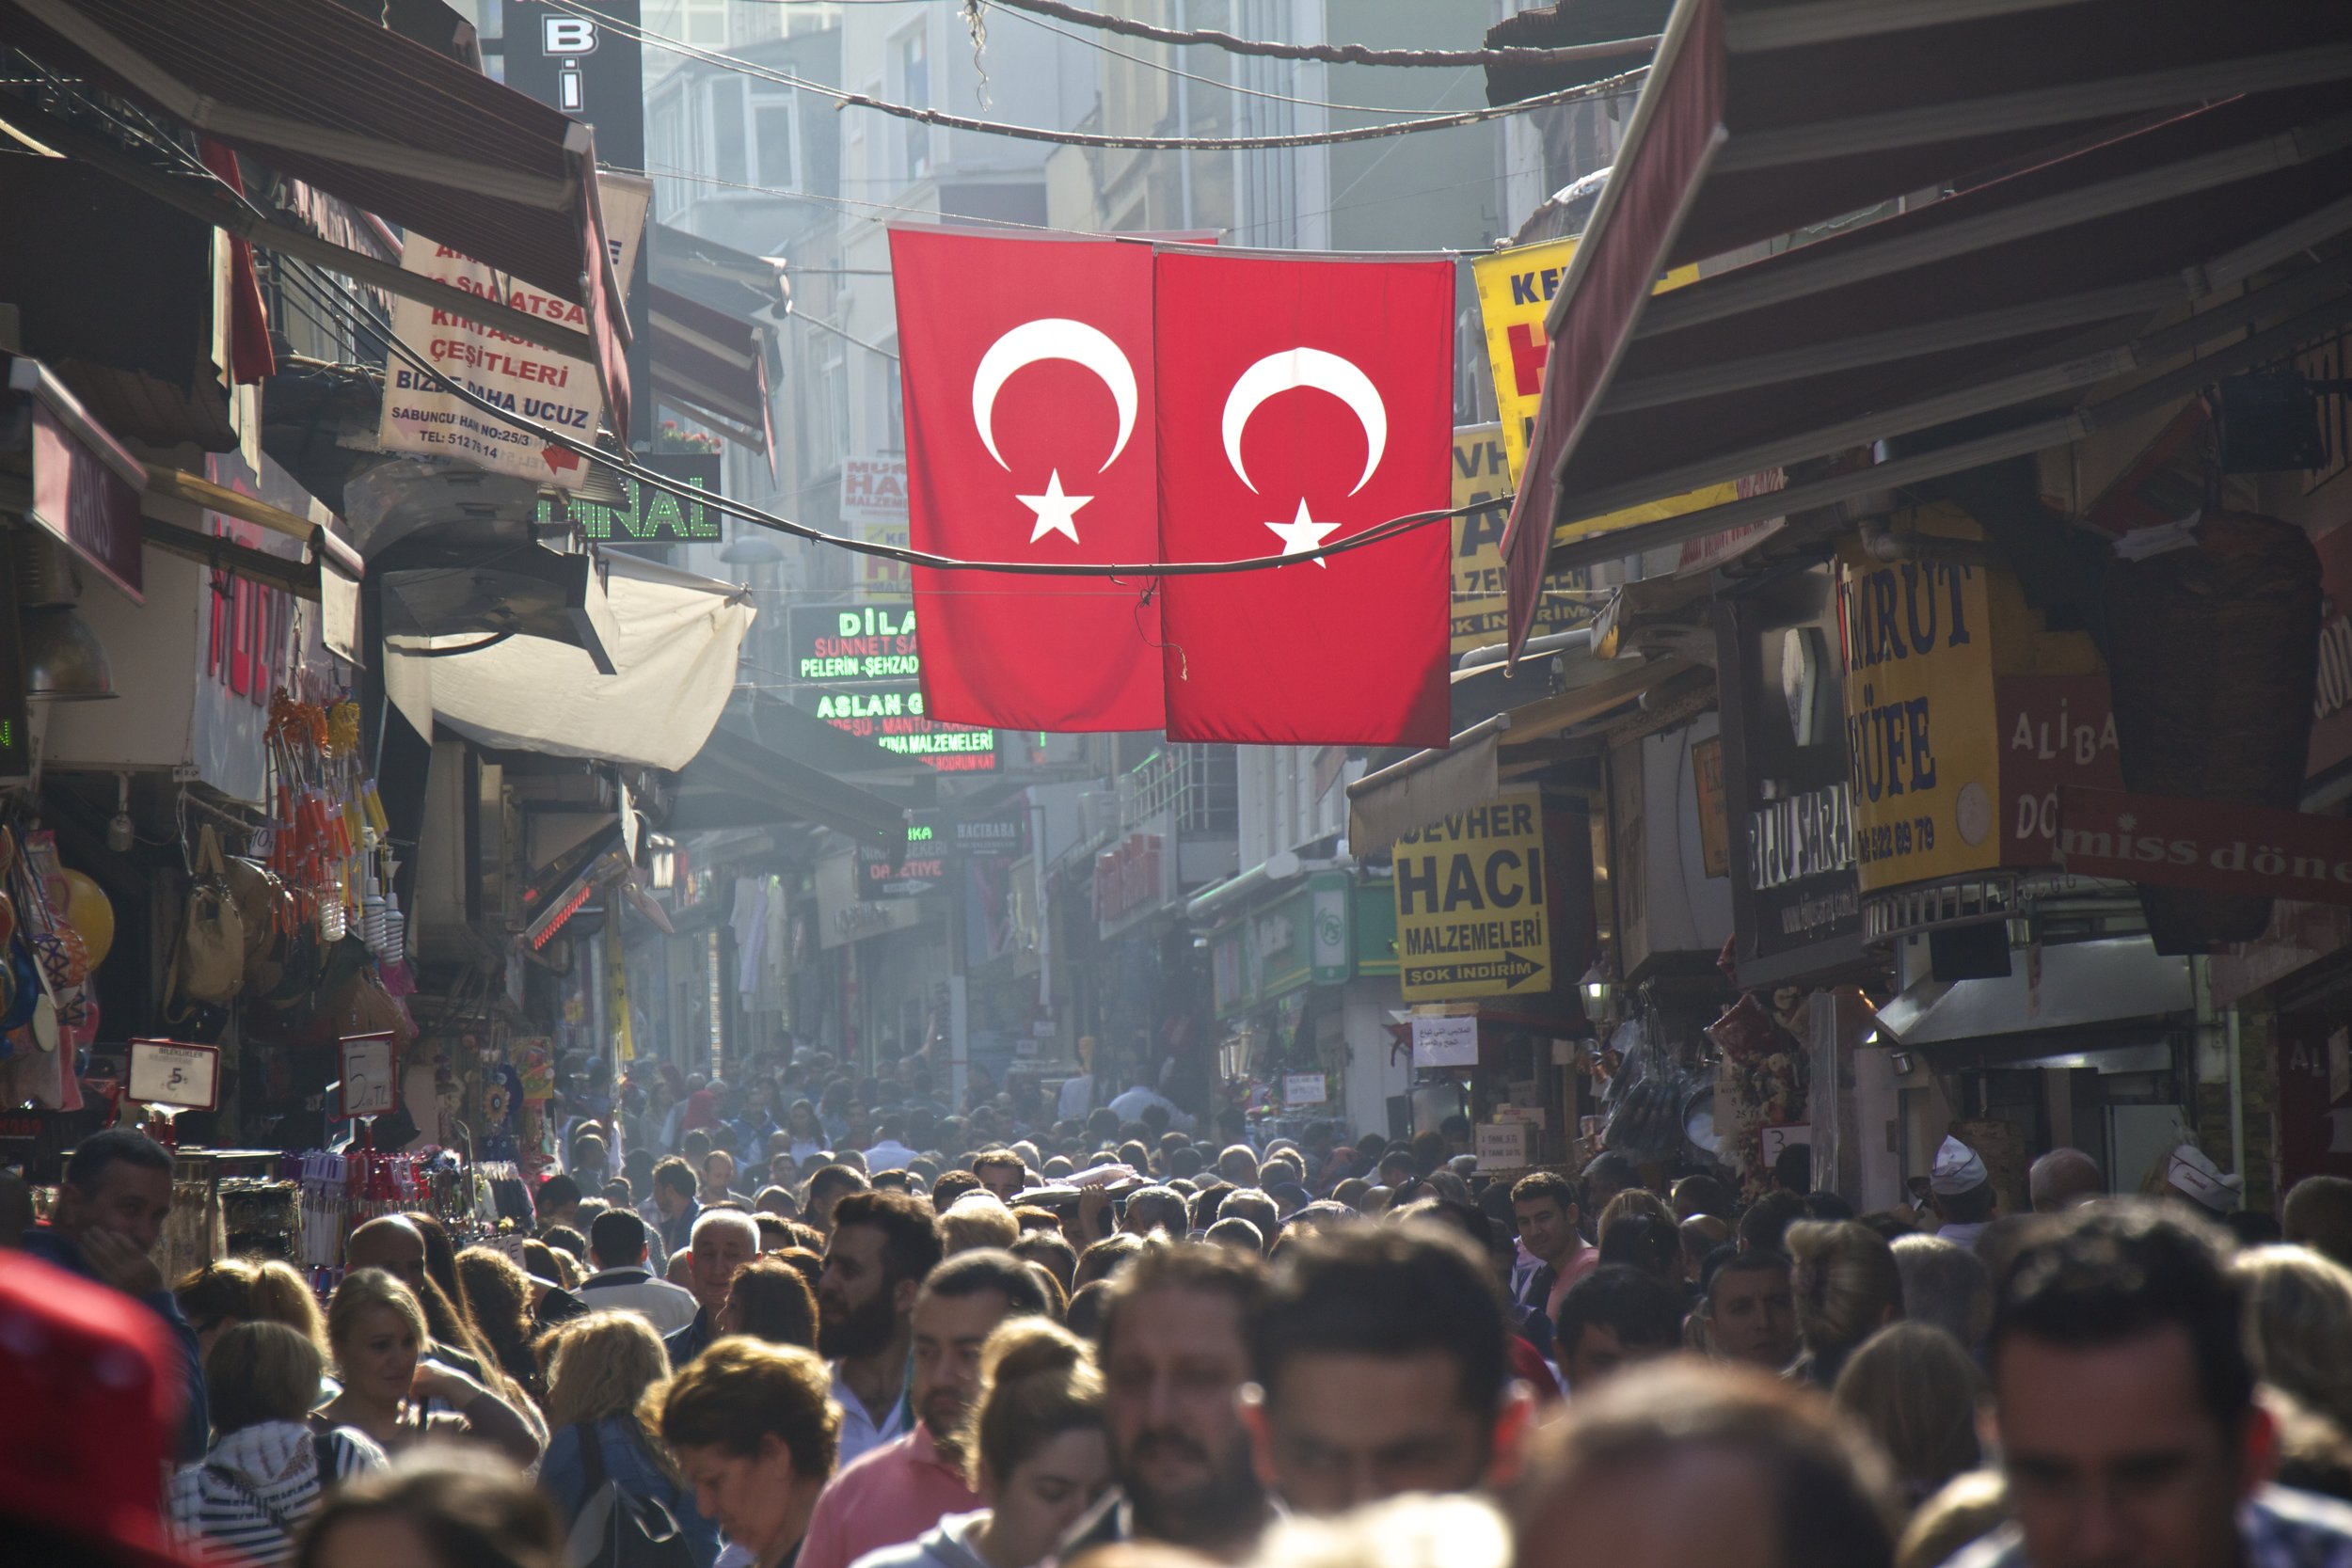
<point x="1472" y="918"/>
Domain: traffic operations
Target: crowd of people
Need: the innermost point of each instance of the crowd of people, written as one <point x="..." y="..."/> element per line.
<point x="1119" y="1345"/>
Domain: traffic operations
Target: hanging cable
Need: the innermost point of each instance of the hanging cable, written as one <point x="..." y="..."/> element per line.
<point x="943" y="121"/>
<point x="814" y="321"/>
<point x="1330" y="53"/>
<point x="320" y="285"/>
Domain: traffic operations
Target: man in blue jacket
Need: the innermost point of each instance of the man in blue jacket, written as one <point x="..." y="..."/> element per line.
<point x="110" y="1211"/>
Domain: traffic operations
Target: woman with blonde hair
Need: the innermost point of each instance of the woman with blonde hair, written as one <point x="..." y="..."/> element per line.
<point x="1036" y="1449"/>
<point x="602" y="1369"/>
<point x="1915" y="1388"/>
<point x="2298" y="1325"/>
<point x="1847" y="1289"/>
<point x="393" y="1393"/>
<point x="266" y="1470"/>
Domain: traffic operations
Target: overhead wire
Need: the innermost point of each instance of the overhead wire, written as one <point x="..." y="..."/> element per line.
<point x="1329" y="54"/>
<point x="308" y="277"/>
<point x="943" y="121"/>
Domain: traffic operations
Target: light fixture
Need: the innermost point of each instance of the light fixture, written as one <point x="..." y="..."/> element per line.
<point x="751" y="549"/>
<point x="119" y="834"/>
<point x="1595" y="987"/>
<point x="64" y="661"/>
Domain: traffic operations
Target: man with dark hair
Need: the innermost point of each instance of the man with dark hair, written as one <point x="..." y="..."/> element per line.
<point x="1751" y="1311"/>
<point x="673" y="1200"/>
<point x="1608" y="1175"/>
<point x="1174" y="1352"/>
<point x="1001" y="1172"/>
<point x="1160" y="1209"/>
<point x="900" y="1489"/>
<point x="2318" y="1214"/>
<point x="110" y="1214"/>
<point x="1256" y="1206"/>
<point x="1543" y="1205"/>
<point x="1380" y="1368"/>
<point x="1702" y="1195"/>
<point x="1611" y="1319"/>
<point x="1793" y="1169"/>
<point x="2124" y="1401"/>
<point x="829" y="1186"/>
<point x="882" y="1245"/>
<point x="625" y="1282"/>
<point x="1765" y="1226"/>
<point x="1684" y="1465"/>
<point x="557" y="1202"/>
<point x="2067" y="1176"/>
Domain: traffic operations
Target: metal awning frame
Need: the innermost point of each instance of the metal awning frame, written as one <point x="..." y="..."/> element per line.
<point x="207" y="202"/>
<point x="2276" y="342"/>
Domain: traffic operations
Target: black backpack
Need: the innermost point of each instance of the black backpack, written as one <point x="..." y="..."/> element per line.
<point x="616" y="1527"/>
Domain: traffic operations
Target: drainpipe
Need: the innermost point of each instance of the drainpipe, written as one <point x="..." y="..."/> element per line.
<point x="2238" y="1102"/>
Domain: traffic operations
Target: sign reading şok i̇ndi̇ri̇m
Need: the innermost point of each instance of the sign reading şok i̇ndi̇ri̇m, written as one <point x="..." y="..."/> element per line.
<point x="1470" y="912"/>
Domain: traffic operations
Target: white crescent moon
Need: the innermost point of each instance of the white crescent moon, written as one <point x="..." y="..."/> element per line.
<point x="1306" y="367"/>
<point x="1053" y="338"/>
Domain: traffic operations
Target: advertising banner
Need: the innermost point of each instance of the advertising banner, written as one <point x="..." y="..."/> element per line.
<point x="1479" y="476"/>
<point x="874" y="489"/>
<point x="1923" y="763"/>
<point x="533" y="385"/>
<point x="857" y="666"/>
<point x="2256" y="850"/>
<point x="1472" y="918"/>
<point x="1515" y="292"/>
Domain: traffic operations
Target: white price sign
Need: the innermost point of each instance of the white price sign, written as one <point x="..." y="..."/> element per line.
<point x="1445" y="1040"/>
<point x="1305" y="1089"/>
<point x="164" y="1072"/>
<point x="369" y="1087"/>
<point x="1502" y="1145"/>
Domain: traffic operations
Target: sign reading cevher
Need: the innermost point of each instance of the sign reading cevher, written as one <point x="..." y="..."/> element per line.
<point x="1480" y="480"/>
<point x="1471" y="911"/>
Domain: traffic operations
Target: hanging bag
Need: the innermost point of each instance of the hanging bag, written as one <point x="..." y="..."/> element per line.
<point x="210" y="965"/>
<point x="618" y="1529"/>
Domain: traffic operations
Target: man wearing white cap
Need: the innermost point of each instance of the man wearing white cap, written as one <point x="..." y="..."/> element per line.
<point x="2191" y="1174"/>
<point x="1962" y="1190"/>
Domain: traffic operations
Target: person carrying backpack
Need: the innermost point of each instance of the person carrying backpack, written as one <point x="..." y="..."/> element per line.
<point x="613" y="1486"/>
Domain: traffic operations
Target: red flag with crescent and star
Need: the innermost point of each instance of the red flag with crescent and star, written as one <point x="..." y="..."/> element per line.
<point x="1027" y="366"/>
<point x="1302" y="401"/>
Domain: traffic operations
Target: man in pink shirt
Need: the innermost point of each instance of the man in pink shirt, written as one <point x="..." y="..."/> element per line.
<point x="901" y="1489"/>
<point x="1545" y="1206"/>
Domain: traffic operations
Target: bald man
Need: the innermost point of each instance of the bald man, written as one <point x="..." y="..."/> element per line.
<point x="2062" y="1179"/>
<point x="393" y="1243"/>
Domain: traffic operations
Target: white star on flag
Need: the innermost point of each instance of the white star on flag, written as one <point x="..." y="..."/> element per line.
<point x="1056" y="513"/>
<point x="1303" y="533"/>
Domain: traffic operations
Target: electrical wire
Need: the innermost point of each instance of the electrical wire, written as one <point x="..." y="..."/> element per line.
<point x="1234" y="88"/>
<point x="943" y="121"/>
<point x="814" y="321"/>
<point x="306" y="276"/>
<point x="1329" y="54"/>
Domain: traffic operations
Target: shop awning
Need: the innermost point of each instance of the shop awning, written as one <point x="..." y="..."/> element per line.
<point x="2082" y="985"/>
<point x="673" y="639"/>
<point x="711" y="364"/>
<point x="320" y="92"/>
<point x="1470" y="771"/>
<point x="2116" y="162"/>
<point x="736" y="782"/>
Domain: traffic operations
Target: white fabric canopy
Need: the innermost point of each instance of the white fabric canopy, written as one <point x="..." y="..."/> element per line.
<point x="672" y="636"/>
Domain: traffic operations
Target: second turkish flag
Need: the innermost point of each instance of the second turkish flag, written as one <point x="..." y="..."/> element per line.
<point x="1301" y="402"/>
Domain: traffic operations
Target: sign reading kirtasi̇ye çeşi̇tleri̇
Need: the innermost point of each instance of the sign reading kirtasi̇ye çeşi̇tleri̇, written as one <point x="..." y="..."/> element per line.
<point x="533" y="385"/>
<point x="1471" y="911"/>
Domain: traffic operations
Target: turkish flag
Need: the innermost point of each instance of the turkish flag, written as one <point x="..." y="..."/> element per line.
<point x="1030" y="415"/>
<point x="1301" y="402"/>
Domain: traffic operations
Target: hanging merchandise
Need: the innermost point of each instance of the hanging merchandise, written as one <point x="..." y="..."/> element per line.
<point x="616" y="996"/>
<point x="49" y="1013"/>
<point x="210" y="963"/>
<point x="328" y="839"/>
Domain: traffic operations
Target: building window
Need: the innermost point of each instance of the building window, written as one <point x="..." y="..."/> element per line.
<point x="913" y="65"/>
<point x="775" y="140"/>
<point x="730" y="146"/>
